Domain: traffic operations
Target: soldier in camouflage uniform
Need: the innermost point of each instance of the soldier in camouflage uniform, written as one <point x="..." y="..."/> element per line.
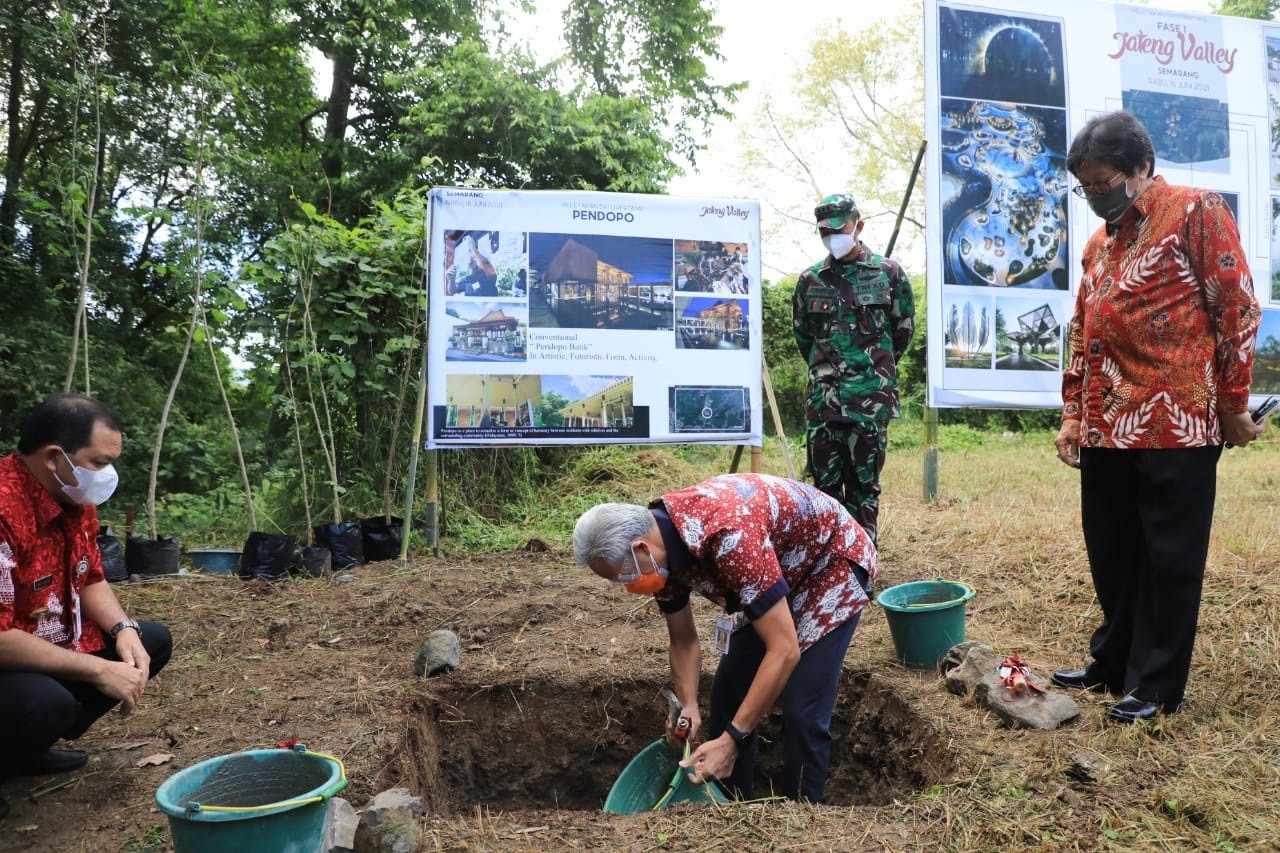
<point x="853" y="316"/>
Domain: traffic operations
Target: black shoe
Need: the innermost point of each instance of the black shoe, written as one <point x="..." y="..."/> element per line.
<point x="52" y="761"/>
<point x="1079" y="679"/>
<point x="1131" y="709"/>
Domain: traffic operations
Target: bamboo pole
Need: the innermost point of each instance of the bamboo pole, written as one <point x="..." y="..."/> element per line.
<point x="777" y="420"/>
<point x="431" y="494"/>
<point x="906" y="198"/>
<point x="413" y="466"/>
<point x="930" y="413"/>
<point x="930" y="454"/>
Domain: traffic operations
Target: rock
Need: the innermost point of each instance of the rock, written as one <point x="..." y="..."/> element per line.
<point x="956" y="654"/>
<point x="345" y="577"/>
<point x="1086" y="769"/>
<point x="1028" y="710"/>
<point x="440" y="652"/>
<point x="278" y="634"/>
<point x="390" y="823"/>
<point x="973" y="661"/>
<point x="340" y="822"/>
<point x="977" y="674"/>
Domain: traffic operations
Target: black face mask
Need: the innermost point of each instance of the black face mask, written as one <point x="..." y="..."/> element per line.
<point x="1112" y="204"/>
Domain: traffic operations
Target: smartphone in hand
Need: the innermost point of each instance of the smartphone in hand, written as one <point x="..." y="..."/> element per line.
<point x="1265" y="409"/>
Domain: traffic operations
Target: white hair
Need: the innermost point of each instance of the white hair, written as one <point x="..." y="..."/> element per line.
<point x="605" y="533"/>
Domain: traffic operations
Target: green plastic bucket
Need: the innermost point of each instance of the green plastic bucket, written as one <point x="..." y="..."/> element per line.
<point x="654" y="779"/>
<point x="926" y="618"/>
<point x="262" y="800"/>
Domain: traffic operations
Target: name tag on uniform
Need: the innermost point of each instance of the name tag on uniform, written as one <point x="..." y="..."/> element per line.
<point x="721" y="634"/>
<point x="41" y="583"/>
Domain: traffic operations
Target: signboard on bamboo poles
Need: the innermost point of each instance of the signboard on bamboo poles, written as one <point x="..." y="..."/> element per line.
<point x="601" y="318"/>
<point x="1007" y="85"/>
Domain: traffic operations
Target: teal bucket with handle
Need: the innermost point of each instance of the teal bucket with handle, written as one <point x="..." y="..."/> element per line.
<point x="653" y="780"/>
<point x="263" y="800"/>
<point x="926" y="618"/>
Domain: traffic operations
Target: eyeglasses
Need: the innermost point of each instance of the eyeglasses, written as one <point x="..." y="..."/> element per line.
<point x="1103" y="188"/>
<point x="625" y="575"/>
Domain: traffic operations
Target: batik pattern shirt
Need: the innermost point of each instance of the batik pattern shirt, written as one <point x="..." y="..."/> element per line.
<point x="852" y="322"/>
<point x="48" y="555"/>
<point x="755" y="539"/>
<point x="1165" y="323"/>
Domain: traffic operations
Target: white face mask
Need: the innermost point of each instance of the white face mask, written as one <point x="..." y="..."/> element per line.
<point x="840" y="245"/>
<point x="92" y="487"/>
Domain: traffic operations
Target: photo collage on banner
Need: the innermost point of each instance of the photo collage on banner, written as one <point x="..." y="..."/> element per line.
<point x="1013" y="82"/>
<point x="1004" y="184"/>
<point x="562" y="317"/>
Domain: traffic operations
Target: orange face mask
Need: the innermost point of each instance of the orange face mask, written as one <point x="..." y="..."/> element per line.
<point x="648" y="584"/>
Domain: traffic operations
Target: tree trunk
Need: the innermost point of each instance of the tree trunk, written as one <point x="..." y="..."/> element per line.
<point x="15" y="152"/>
<point x="335" y="127"/>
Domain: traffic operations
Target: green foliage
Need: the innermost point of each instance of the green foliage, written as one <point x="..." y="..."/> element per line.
<point x="655" y="54"/>
<point x="787" y="370"/>
<point x="913" y="364"/>
<point x="492" y="120"/>
<point x="342" y="307"/>
<point x="501" y="498"/>
<point x="1262" y="10"/>
<point x="1003" y="420"/>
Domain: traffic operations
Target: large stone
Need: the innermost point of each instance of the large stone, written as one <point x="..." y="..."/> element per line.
<point x="1028" y="709"/>
<point x="956" y="655"/>
<point x="973" y="669"/>
<point x="340" y="822"/>
<point x="390" y="823"/>
<point x="440" y="652"/>
<point x="972" y="661"/>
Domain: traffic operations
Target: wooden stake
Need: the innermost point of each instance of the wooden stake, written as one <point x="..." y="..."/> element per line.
<point x="777" y="419"/>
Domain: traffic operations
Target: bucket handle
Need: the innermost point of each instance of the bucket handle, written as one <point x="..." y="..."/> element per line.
<point x="196" y="808"/>
<point x="961" y="600"/>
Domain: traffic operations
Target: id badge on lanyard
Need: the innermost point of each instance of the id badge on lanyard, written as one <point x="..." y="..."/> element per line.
<point x="722" y="634"/>
<point x="79" y="572"/>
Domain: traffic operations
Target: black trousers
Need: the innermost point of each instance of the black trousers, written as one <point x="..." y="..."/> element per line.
<point x="807" y="701"/>
<point x="37" y="710"/>
<point x="1147" y="515"/>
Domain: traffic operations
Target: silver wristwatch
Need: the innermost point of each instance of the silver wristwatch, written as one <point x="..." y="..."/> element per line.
<point x="125" y="623"/>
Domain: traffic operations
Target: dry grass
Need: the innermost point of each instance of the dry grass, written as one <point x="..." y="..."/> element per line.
<point x="1006" y="522"/>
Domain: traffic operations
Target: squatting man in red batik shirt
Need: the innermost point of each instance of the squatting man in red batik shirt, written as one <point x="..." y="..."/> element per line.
<point x="68" y="651"/>
<point x="792" y="571"/>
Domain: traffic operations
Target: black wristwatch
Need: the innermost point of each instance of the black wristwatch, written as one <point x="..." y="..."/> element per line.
<point x="125" y="623"/>
<point x="740" y="737"/>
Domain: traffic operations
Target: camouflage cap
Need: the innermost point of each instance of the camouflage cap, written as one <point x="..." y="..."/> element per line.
<point x="835" y="210"/>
